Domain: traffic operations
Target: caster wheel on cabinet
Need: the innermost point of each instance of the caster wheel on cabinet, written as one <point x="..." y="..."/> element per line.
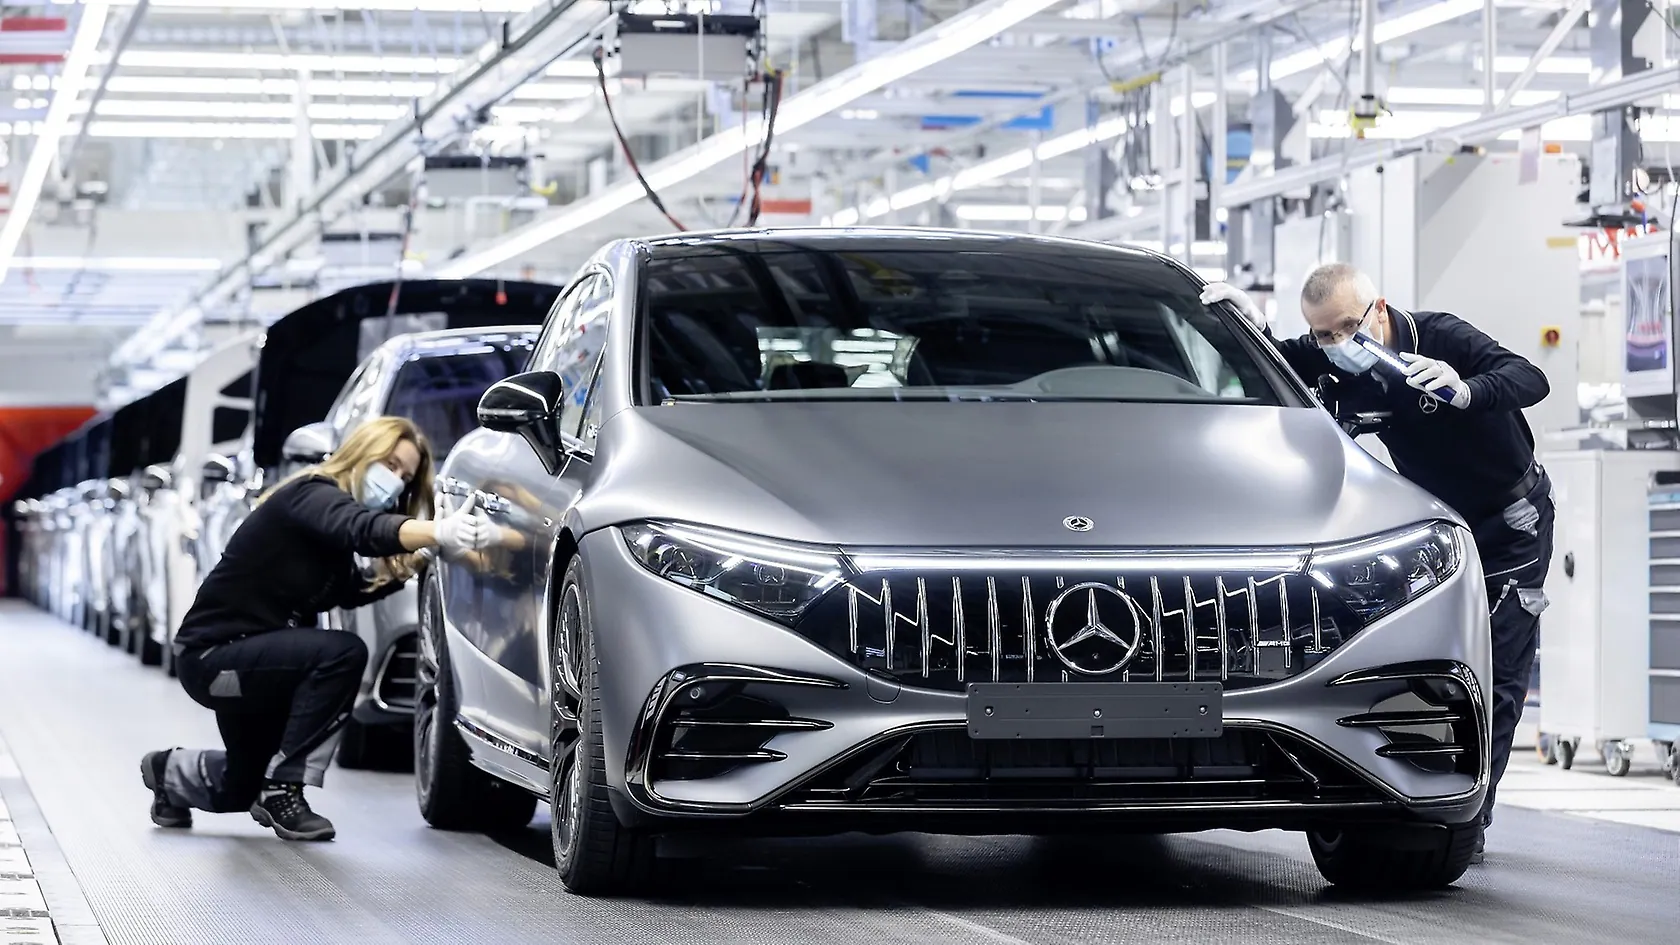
<point x="1565" y="754"/>
<point x="1546" y="747"/>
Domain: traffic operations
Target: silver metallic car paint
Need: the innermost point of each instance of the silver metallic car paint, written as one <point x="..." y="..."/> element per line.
<point x="958" y="474"/>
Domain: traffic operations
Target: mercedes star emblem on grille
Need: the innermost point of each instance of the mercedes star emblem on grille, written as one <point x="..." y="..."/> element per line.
<point x="1085" y="638"/>
<point x="1078" y="523"/>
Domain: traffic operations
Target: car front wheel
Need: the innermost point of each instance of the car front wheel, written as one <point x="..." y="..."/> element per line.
<point x="595" y="854"/>
<point x="453" y="793"/>
<point x="1397" y="859"/>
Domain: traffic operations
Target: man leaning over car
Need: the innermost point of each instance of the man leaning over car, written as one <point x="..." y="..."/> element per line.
<point x="1472" y="450"/>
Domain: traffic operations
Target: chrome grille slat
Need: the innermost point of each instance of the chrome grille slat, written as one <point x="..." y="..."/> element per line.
<point x="1184" y="629"/>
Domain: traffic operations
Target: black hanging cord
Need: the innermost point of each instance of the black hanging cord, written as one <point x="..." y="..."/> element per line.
<point x="773" y="98"/>
<point x="624" y="145"/>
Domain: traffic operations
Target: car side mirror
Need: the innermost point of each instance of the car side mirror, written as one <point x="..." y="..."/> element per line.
<point x="527" y="404"/>
<point x="156" y="477"/>
<point x="309" y="444"/>
<point x="217" y="469"/>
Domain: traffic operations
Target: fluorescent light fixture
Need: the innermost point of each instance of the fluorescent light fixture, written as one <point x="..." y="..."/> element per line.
<point x="1402" y="95"/>
<point x="382" y="6"/>
<point x="1016" y="213"/>
<point x="179" y="59"/>
<point x="1573" y="129"/>
<point x="43" y="154"/>
<point x="119" y="263"/>
<point x="1551" y="65"/>
<point x="958" y="34"/>
<point x="320" y="89"/>
<point x="1385" y="31"/>
<point x="216" y="130"/>
<point x="241" y="111"/>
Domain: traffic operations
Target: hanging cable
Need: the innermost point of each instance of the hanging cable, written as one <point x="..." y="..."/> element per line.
<point x="600" y="57"/>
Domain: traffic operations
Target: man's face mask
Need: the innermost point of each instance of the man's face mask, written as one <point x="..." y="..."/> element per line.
<point x="1347" y="354"/>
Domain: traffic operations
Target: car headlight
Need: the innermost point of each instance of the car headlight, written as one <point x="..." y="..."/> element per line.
<point x="772" y="578"/>
<point x="1377" y="576"/>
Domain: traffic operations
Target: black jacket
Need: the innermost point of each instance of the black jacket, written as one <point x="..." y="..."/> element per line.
<point x="289" y="561"/>
<point x="1469" y="458"/>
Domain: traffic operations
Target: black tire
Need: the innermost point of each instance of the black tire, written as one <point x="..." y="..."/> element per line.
<point x="1394" y="859"/>
<point x="151" y="651"/>
<point x="452" y="792"/>
<point x="595" y="854"/>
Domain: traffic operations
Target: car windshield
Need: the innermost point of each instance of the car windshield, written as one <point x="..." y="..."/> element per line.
<point x="440" y="392"/>
<point x="917" y="319"/>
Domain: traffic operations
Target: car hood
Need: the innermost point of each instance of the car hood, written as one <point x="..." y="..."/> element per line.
<point x="999" y="475"/>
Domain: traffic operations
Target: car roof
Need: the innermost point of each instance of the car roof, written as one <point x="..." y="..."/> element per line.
<point x="906" y="236"/>
<point x="451" y="340"/>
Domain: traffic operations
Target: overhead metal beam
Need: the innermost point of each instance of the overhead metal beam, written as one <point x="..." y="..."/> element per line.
<point x="129" y="29"/>
<point x="1571" y="15"/>
<point x="1474" y="131"/>
<point x="526" y="46"/>
<point x="1241" y="21"/>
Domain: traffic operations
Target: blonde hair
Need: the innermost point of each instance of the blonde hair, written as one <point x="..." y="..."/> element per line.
<point x="368" y="444"/>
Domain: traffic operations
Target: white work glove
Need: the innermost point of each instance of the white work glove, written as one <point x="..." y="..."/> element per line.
<point x="1225" y="292"/>
<point x="1437" y="377"/>
<point x="461" y="531"/>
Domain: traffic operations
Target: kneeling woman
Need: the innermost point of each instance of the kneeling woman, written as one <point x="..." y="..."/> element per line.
<point x="249" y="650"/>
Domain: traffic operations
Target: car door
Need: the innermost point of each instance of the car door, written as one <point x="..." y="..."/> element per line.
<point x="529" y="501"/>
<point x="480" y="593"/>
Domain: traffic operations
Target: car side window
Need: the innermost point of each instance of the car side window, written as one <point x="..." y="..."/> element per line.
<point x="559" y="326"/>
<point x="581" y="356"/>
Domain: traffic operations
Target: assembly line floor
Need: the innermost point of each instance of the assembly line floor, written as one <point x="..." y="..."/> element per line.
<point x="76" y="715"/>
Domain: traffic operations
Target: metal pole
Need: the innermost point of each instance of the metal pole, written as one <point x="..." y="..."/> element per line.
<point x="1219" y="158"/>
<point x="1188" y="140"/>
<point x="1034" y="192"/>
<point x="1490" y="46"/>
<point x="1368" y="61"/>
<point x="1162" y="160"/>
<point x="303" y="145"/>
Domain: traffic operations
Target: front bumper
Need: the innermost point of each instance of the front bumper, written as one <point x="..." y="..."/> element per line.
<point x="829" y="740"/>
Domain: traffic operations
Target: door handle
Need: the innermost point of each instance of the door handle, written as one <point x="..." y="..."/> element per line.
<point x="491" y="502"/>
<point x="449" y="485"/>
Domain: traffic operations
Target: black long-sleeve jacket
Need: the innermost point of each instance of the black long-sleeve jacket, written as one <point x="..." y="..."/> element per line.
<point x="290" y="560"/>
<point x="1468" y="458"/>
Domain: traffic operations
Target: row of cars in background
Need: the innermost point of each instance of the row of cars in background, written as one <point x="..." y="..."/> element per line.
<point x="122" y="520"/>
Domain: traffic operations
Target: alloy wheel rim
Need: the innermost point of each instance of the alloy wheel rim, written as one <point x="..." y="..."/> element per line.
<point x="425" y="702"/>
<point x="564" y="711"/>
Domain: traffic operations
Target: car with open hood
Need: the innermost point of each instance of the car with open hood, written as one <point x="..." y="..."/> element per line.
<point x="814" y="531"/>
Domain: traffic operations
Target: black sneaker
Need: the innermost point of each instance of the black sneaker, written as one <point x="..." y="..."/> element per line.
<point x="283" y="807"/>
<point x="164" y="814"/>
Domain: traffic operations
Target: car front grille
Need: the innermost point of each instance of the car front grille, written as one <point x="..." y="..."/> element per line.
<point x="945" y="768"/>
<point x="944" y="630"/>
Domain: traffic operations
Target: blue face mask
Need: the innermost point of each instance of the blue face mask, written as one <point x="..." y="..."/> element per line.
<point x="380" y="487"/>
<point x="1349" y="355"/>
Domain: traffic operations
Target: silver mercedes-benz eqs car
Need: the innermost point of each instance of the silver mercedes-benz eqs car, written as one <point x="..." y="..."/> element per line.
<point x="815" y="531"/>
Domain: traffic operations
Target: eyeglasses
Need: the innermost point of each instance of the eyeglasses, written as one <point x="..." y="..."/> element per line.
<point x="1343" y="336"/>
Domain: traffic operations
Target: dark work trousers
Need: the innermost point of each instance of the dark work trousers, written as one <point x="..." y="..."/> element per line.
<point x="1516" y="551"/>
<point x="281" y="699"/>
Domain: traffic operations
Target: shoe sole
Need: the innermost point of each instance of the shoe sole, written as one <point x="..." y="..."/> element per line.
<point x="262" y="816"/>
<point x="152" y="785"/>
